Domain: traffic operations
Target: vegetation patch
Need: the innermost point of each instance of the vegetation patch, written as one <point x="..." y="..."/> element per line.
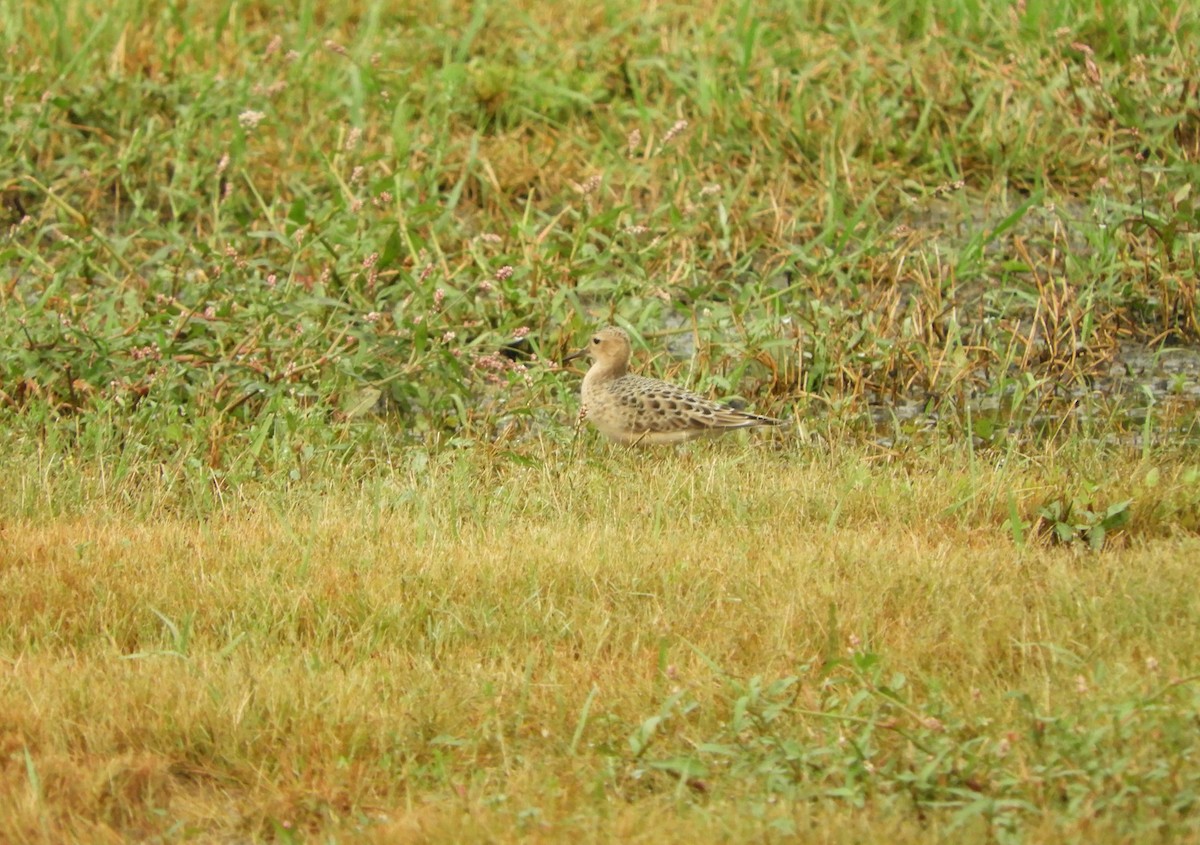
<point x="301" y="538"/>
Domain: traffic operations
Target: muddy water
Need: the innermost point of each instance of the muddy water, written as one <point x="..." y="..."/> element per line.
<point x="1145" y="393"/>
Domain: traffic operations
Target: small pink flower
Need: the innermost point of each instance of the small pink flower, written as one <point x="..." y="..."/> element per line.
<point x="521" y="332"/>
<point x="504" y="273"/>
<point x="675" y="131"/>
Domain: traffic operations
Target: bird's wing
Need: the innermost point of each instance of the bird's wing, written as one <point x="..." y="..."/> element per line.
<point x="660" y="406"/>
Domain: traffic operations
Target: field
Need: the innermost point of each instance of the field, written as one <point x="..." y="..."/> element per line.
<point x="301" y="539"/>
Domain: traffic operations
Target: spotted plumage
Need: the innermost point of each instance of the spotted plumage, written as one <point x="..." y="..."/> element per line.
<point x="634" y="409"/>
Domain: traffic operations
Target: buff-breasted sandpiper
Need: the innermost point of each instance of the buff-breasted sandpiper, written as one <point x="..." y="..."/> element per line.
<point x="637" y="410"/>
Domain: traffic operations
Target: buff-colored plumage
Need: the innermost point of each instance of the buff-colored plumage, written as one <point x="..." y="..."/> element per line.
<point x="634" y="409"/>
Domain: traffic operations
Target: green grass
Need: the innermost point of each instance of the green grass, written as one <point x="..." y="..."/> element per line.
<point x="301" y="541"/>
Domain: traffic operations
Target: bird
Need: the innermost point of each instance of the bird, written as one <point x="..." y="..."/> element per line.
<point x="637" y="410"/>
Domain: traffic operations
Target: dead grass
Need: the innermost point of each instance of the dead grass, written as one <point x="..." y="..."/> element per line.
<point x="462" y="654"/>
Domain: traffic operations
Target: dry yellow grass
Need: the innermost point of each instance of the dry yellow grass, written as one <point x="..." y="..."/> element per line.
<point x="462" y="653"/>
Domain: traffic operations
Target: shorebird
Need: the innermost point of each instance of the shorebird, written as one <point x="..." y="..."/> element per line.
<point x="636" y="410"/>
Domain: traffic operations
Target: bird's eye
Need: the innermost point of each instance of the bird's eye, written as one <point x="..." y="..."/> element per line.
<point x="595" y="341"/>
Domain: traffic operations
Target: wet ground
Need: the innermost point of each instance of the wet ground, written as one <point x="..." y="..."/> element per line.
<point x="1144" y="394"/>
